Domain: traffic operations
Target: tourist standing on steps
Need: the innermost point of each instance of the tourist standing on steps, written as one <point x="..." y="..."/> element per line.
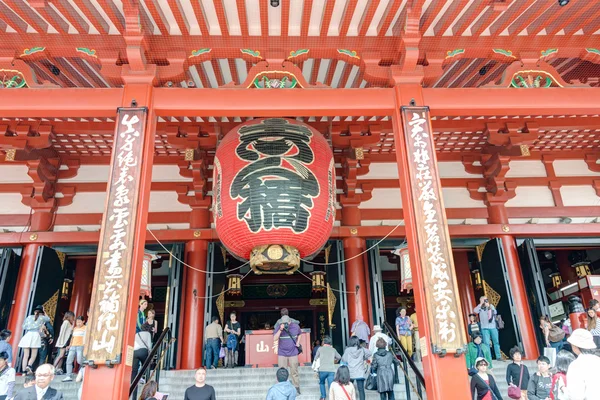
<point x="404" y="328"/>
<point x="200" y="391"/>
<point x="383" y="367"/>
<point x="287" y="334"/>
<point x="76" y="348"/>
<point x="5" y="336"/>
<point x="283" y="389"/>
<point x="582" y="377"/>
<point x="141" y="317"/>
<point x="593" y="325"/>
<point x="66" y="329"/>
<point x="483" y="385"/>
<point x="212" y="339"/>
<point x="361" y="330"/>
<point x="477" y="349"/>
<point x="540" y="384"/>
<point x="233" y="330"/>
<point x="142" y="346"/>
<point x="553" y="335"/>
<point x="41" y="390"/>
<point x="378" y="334"/>
<point x="342" y="388"/>
<point x="564" y="359"/>
<point x="32" y="340"/>
<point x="517" y="372"/>
<point x="355" y="356"/>
<point x="327" y="357"/>
<point x="474" y="325"/>
<point x="149" y="391"/>
<point x="489" y="329"/>
<point x="7" y="378"/>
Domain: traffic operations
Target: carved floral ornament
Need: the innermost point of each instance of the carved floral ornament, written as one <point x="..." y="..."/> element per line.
<point x="12" y="79"/>
<point x="533" y="79"/>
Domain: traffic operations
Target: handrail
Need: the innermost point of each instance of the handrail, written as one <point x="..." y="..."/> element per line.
<point x="149" y="359"/>
<point x="408" y="362"/>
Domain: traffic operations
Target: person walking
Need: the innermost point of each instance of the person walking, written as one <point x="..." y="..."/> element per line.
<point x="593" y="325"/>
<point x="540" y="383"/>
<point x="32" y="340"/>
<point x="233" y="330"/>
<point x="477" y="349"/>
<point x="5" y="336"/>
<point x="483" y="385"/>
<point x="76" y="348"/>
<point x="342" y="388"/>
<point x="564" y="359"/>
<point x="553" y="335"/>
<point x="383" y="366"/>
<point x="46" y="335"/>
<point x="142" y="346"/>
<point x="283" y="389"/>
<point x="200" y="390"/>
<point x="355" y="357"/>
<point x="489" y="329"/>
<point x="378" y="334"/>
<point x="361" y="330"/>
<point x="44" y="375"/>
<point x="582" y="376"/>
<point x="7" y="378"/>
<point x="212" y="337"/>
<point x="517" y="373"/>
<point x="149" y="391"/>
<point x="404" y="327"/>
<point x="66" y="329"/>
<point x="327" y="357"/>
<point x="315" y="348"/>
<point x="287" y="335"/>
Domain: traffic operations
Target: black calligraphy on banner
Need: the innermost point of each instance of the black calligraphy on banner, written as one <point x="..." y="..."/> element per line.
<point x="276" y="188"/>
<point x="434" y="240"/>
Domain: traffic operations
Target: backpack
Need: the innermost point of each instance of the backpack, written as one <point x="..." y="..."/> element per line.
<point x="556" y="334"/>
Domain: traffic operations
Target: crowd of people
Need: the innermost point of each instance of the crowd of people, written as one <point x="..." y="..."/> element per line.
<point x="569" y="372"/>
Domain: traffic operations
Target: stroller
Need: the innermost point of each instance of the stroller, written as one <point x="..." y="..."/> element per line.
<point x="231" y="351"/>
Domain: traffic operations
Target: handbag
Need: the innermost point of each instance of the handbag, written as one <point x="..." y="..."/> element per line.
<point x="550" y="352"/>
<point x="499" y="322"/>
<point x="371" y="383"/>
<point x="514" y="392"/>
<point x="299" y="346"/>
<point x="222" y="352"/>
<point x="316" y="365"/>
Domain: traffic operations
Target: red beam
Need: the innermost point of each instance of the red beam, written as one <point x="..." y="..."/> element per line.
<point x="272" y="103"/>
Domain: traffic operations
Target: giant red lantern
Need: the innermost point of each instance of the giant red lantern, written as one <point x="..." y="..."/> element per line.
<point x="274" y="193"/>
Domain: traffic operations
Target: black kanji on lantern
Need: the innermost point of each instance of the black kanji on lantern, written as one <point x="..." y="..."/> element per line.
<point x="276" y="188"/>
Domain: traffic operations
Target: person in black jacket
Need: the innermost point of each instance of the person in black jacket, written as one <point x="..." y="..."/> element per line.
<point x="516" y="371"/>
<point x="482" y="382"/>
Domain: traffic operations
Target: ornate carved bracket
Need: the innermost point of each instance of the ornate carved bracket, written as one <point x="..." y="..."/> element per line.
<point x="10" y="64"/>
<point x="26" y="136"/>
<point x="192" y="137"/>
<point x="497" y="189"/>
<point x="354" y="192"/>
<point x="531" y="72"/>
<point x="277" y="75"/>
<point x="510" y="139"/>
<point x="198" y="171"/>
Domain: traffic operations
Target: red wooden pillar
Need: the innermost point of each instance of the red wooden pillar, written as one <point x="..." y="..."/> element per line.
<point x="443" y="375"/>
<point x="355" y="276"/>
<point x="192" y="332"/>
<point x="114" y="382"/>
<point x="82" y="286"/>
<point x="497" y="215"/>
<point x="465" y="285"/>
<point x="18" y="311"/>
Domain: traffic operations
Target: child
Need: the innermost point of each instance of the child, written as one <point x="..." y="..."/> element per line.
<point x="76" y="348"/>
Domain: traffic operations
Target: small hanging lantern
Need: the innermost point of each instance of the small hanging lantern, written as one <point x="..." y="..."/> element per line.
<point x="556" y="279"/>
<point x="582" y="269"/>
<point x="318" y="281"/>
<point x="234" y="284"/>
<point x="477" y="278"/>
<point x="146" y="282"/>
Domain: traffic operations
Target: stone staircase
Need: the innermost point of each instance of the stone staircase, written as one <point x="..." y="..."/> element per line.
<point x="251" y="384"/>
<point x="499" y="372"/>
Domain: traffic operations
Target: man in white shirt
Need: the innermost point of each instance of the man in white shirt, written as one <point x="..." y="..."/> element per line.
<point x="582" y="376"/>
<point x="377" y="333"/>
<point x="41" y="390"/>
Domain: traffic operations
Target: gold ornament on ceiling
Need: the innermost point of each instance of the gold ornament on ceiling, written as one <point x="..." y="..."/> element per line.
<point x="50" y="306"/>
<point x="491" y="294"/>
